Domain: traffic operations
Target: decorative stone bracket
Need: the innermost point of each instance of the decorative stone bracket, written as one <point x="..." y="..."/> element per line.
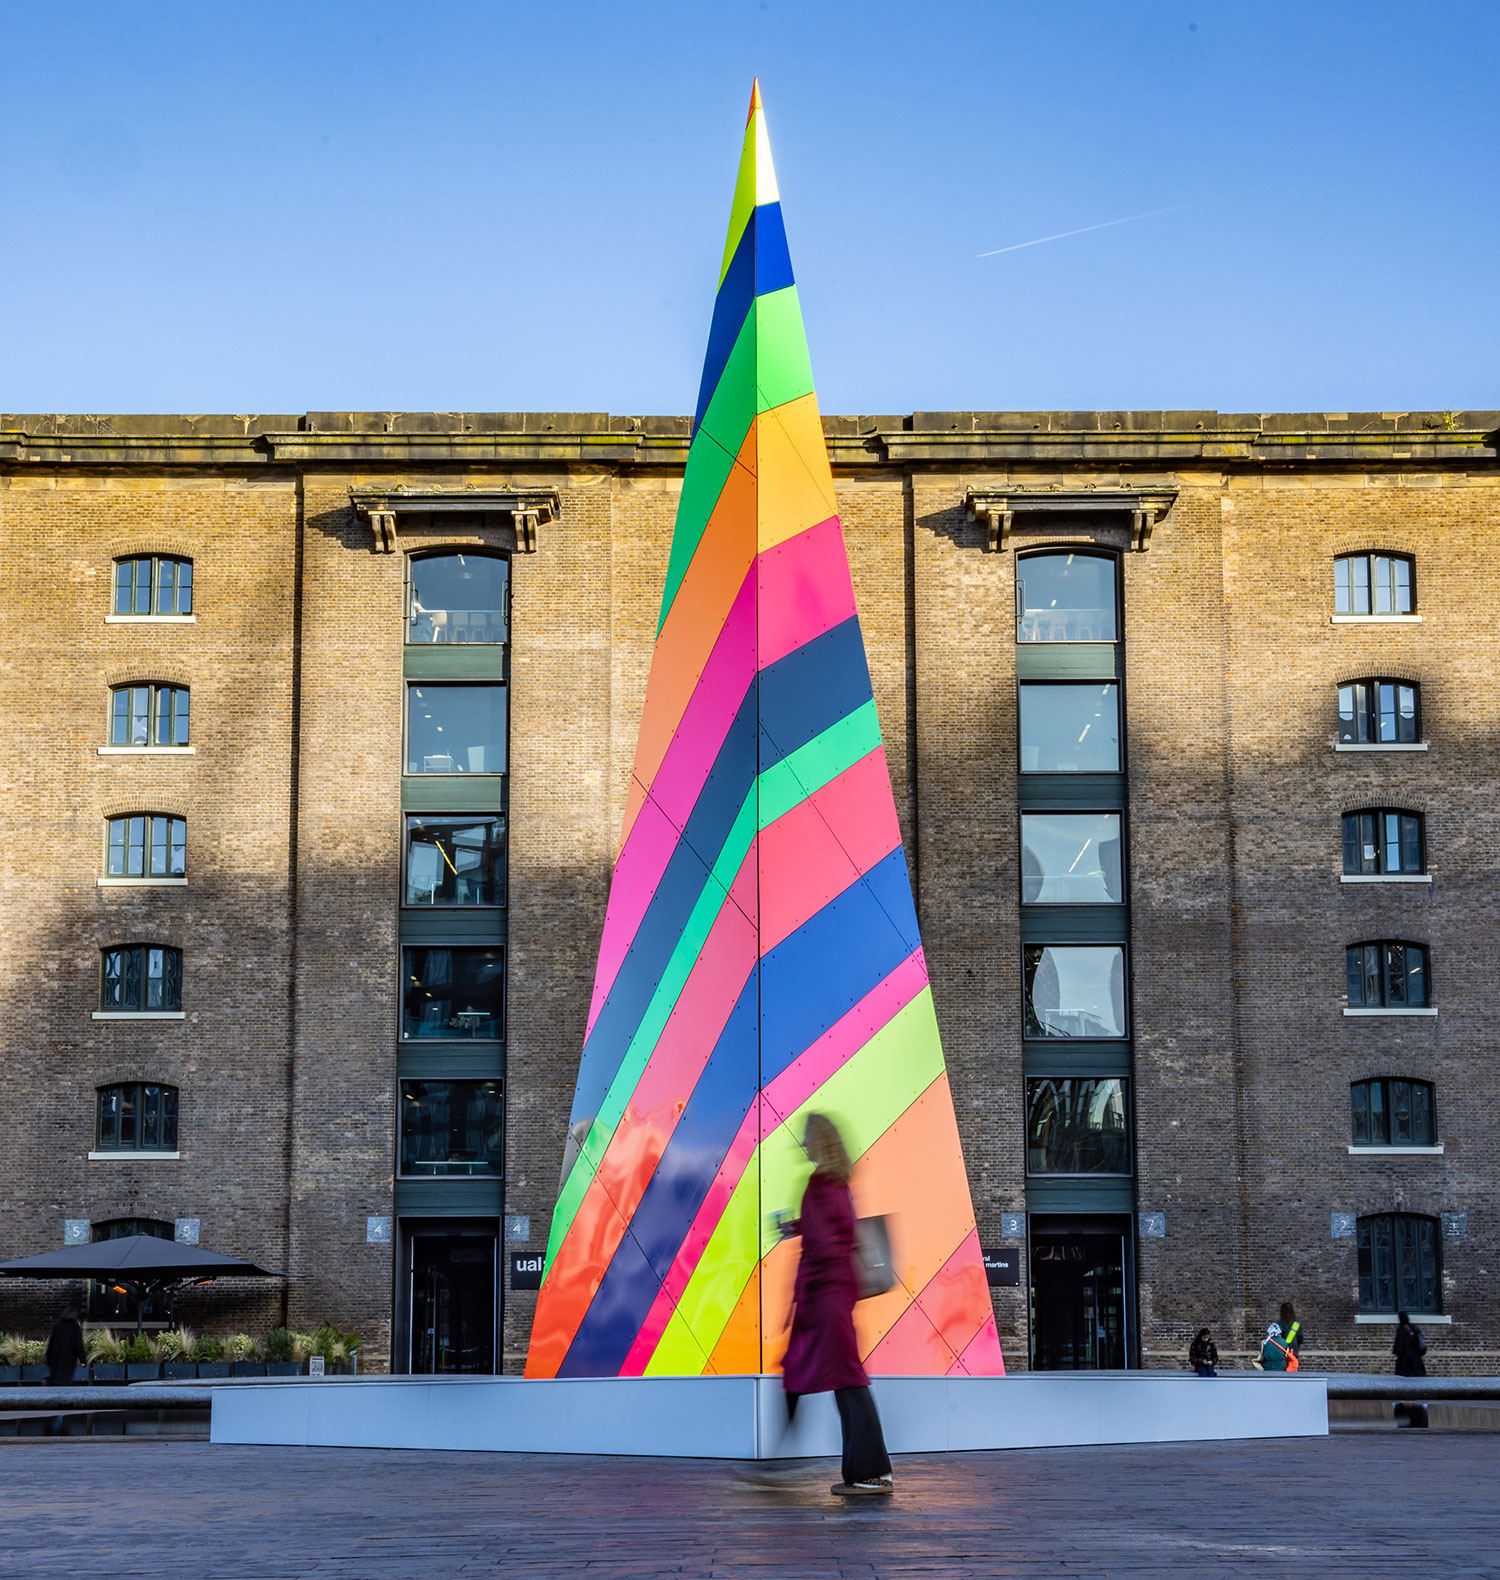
<point x="999" y="510"/>
<point x="528" y="508"/>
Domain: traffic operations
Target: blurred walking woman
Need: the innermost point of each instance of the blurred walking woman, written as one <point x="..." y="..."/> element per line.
<point x="822" y="1353"/>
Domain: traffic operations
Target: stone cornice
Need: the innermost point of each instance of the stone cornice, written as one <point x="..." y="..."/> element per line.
<point x="923" y="440"/>
<point x="383" y="508"/>
<point x="998" y="508"/>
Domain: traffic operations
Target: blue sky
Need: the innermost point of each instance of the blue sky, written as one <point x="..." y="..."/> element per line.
<point x="498" y="207"/>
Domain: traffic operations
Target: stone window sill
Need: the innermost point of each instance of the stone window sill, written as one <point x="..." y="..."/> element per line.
<point x="133" y="1157"/>
<point x="147" y="751"/>
<point x="1380" y="746"/>
<point x="1375" y="619"/>
<point x="1395" y="1151"/>
<point x="1386" y="877"/>
<point x="150" y="619"/>
<point x="1433" y="1318"/>
<point x="140" y="1014"/>
<point x="1430" y="1014"/>
<point x="142" y="883"/>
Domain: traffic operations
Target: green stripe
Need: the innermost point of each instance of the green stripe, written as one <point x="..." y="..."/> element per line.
<point x="783" y="371"/>
<point x="805" y="771"/>
<point x="744" y="198"/>
<point x="708" y="467"/>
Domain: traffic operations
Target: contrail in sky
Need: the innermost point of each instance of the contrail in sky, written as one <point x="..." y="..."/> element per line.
<point x="1082" y="230"/>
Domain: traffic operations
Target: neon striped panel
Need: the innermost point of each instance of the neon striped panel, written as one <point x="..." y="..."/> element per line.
<point x="761" y="958"/>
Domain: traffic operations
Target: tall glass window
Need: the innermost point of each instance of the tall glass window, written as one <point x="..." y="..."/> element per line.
<point x="1075" y="990"/>
<point x="1382" y="842"/>
<point x="148" y="716"/>
<point x="147" y="846"/>
<point x="455" y="860"/>
<point x="1392" y="1113"/>
<point x="1077" y="1126"/>
<point x="1378" y="711"/>
<point x="1388" y="975"/>
<point x="1071" y="858"/>
<point x="1399" y="1264"/>
<point x="141" y="977"/>
<point x="137" y="1116"/>
<point x="1373" y="584"/>
<point x="1065" y="597"/>
<point x="459" y="598"/>
<point x="153" y="585"/>
<point x="455" y="729"/>
<point x="1070" y="728"/>
<point x="456" y="993"/>
<point x="451" y="1127"/>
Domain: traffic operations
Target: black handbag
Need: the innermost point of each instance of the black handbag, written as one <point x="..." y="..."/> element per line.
<point x="873" y="1264"/>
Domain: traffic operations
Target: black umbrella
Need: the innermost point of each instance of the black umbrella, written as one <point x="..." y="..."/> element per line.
<point x="136" y="1264"/>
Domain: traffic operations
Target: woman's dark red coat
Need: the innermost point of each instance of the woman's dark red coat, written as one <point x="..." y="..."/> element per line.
<point x="823" y="1353"/>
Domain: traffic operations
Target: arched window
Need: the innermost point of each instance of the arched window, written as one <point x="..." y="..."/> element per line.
<point x="1383" y="842"/>
<point x="107" y="1304"/>
<point x="1379" y="712"/>
<point x="1392" y="1112"/>
<point x="146" y="845"/>
<point x="137" y="1116"/>
<point x="1388" y="975"/>
<point x="1065" y="596"/>
<point x="140" y="978"/>
<point x="458" y="596"/>
<point x="151" y="584"/>
<point x="1374" y="584"/>
<point x="1400" y="1264"/>
<point x="148" y="715"/>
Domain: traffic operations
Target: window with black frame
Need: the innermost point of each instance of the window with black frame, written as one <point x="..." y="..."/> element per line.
<point x="1064" y="596"/>
<point x="1071" y="858"/>
<point x="148" y="715"/>
<point x="1400" y="1264"/>
<point x="1070" y="727"/>
<point x="1393" y="1112"/>
<point x="151" y="584"/>
<point x="1388" y="974"/>
<point x="453" y="993"/>
<point x="1077" y="1125"/>
<point x="1383" y="843"/>
<point x="455" y="859"/>
<point x="455" y="728"/>
<point x="146" y="845"/>
<point x="141" y="978"/>
<point x="458" y="597"/>
<point x="451" y="1127"/>
<point x="110" y="1304"/>
<point x="1374" y="584"/>
<point x="1379" y="713"/>
<point x="137" y="1116"/>
<point x="1074" y="990"/>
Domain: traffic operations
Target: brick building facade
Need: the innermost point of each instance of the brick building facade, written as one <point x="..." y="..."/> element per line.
<point x="1243" y="1182"/>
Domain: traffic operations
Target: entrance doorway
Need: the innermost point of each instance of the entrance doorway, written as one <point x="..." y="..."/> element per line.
<point x="451" y="1292"/>
<point x="1079" y="1311"/>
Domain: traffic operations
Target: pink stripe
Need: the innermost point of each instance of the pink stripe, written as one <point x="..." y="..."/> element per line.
<point x="792" y="1088"/>
<point x="653" y="837"/>
<point x="804" y="590"/>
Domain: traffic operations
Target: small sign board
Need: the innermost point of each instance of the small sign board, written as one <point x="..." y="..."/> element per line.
<point x="1002" y="1268"/>
<point x="526" y="1269"/>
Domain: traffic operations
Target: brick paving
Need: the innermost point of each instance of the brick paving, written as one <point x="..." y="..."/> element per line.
<point x="1366" y="1505"/>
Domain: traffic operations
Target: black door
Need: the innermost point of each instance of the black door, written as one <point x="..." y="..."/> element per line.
<point x="452" y="1301"/>
<point x="1078" y="1308"/>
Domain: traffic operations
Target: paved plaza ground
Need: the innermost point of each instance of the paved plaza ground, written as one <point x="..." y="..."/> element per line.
<point x="1371" y="1505"/>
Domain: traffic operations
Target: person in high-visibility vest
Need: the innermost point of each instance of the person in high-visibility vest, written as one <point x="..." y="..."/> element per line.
<point x="1291" y="1328"/>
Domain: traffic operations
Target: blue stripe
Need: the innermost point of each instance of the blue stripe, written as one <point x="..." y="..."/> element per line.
<point x="821" y="971"/>
<point x="801" y="695"/>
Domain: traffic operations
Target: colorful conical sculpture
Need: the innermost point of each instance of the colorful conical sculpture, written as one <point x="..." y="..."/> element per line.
<point x="760" y="957"/>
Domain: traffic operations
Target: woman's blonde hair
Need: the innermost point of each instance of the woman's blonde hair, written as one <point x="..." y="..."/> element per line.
<point x="825" y="1146"/>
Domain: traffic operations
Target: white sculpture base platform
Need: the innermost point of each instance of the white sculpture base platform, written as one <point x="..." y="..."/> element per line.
<point x="744" y="1417"/>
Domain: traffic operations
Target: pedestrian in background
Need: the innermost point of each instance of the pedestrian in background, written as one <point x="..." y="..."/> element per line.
<point x="1291" y="1329"/>
<point x="65" y="1352"/>
<point x="1203" y="1354"/>
<point x="1275" y="1356"/>
<point x="1409" y="1347"/>
<point x="822" y="1353"/>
